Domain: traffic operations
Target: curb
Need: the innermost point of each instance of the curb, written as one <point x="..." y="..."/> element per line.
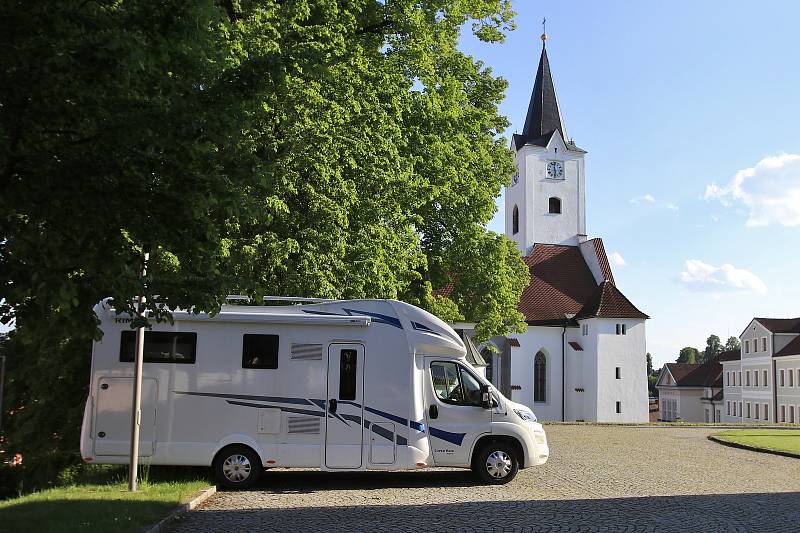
<point x="752" y="448"/>
<point x="197" y="499"/>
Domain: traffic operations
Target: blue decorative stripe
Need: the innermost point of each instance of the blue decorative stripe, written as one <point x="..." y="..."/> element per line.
<point x="376" y="317"/>
<point x="389" y="416"/>
<point x="455" y="438"/>
<point x="419" y="426"/>
<point x="353" y="418"/>
<point x="274" y="399"/>
<point x="286" y="409"/>
<point x="402" y="441"/>
<point x="422" y="327"/>
<point x="383" y="432"/>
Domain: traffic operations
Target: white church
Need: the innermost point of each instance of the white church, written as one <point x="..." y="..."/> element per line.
<point x="583" y="356"/>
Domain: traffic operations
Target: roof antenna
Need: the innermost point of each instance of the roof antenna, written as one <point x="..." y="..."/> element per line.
<point x="544" y="31"/>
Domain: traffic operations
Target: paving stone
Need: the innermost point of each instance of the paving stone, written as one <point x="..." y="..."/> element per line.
<point x="597" y="479"/>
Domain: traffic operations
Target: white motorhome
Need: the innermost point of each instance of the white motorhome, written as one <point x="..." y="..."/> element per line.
<point x="341" y="385"/>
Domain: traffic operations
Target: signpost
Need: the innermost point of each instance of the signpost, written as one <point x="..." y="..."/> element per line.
<point x="136" y="414"/>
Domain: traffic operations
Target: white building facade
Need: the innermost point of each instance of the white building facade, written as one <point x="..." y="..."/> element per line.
<point x="762" y="380"/>
<point x="583" y="356"/>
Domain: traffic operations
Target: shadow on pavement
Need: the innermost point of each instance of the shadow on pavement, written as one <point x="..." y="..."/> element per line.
<point x="288" y="481"/>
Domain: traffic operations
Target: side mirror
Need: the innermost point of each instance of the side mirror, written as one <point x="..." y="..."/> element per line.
<point x="486" y="397"/>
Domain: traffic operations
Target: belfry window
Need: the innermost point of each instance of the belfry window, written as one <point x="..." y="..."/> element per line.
<point x="555" y="206"/>
<point x="515" y="221"/>
<point x="539" y="377"/>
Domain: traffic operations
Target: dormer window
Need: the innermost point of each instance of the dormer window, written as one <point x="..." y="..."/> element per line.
<point x="554" y="205"/>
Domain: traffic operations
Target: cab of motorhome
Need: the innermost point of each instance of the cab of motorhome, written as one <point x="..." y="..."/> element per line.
<point x="338" y="385"/>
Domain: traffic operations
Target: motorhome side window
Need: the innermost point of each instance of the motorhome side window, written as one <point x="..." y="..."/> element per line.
<point x="259" y="351"/>
<point x="453" y="384"/>
<point x="160" y="347"/>
<point x="347" y="374"/>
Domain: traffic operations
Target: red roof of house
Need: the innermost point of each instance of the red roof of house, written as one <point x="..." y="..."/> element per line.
<point x="609" y="302"/>
<point x="780" y="325"/>
<point x="730" y="355"/>
<point x="793" y="348"/>
<point x="575" y="346"/>
<point x="602" y="258"/>
<point x="560" y="283"/>
<point x="692" y="375"/>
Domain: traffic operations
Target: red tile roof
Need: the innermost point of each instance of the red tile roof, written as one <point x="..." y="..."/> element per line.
<point x="609" y="302"/>
<point x="575" y="346"/>
<point x="602" y="259"/>
<point x="730" y="355"/>
<point x="513" y="342"/>
<point x="560" y="283"/>
<point x="780" y="325"/>
<point x="793" y="348"/>
<point x="689" y="375"/>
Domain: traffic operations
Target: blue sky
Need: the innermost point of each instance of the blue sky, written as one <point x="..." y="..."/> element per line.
<point x="673" y="101"/>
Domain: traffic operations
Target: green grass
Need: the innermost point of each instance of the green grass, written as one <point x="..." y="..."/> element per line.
<point x="98" y="506"/>
<point x="781" y="440"/>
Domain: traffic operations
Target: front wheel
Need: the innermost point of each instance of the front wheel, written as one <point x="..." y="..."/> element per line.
<point x="497" y="463"/>
<point x="237" y="467"/>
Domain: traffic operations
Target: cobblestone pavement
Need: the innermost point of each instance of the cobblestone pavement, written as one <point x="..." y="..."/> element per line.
<point x="597" y="479"/>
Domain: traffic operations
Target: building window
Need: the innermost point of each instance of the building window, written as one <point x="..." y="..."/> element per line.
<point x="740" y="408"/>
<point x="766" y="411"/>
<point x="585" y="329"/>
<point x="160" y="347"/>
<point x="621" y="329"/>
<point x="755" y="378"/>
<point x="734" y="408"/>
<point x="618" y="371"/>
<point x="740" y="378"/>
<point x="624" y="329"/>
<point x="727" y="379"/>
<point x="758" y="414"/>
<point x="783" y="378"/>
<point x="259" y="351"/>
<point x="619" y="407"/>
<point x="791" y="414"/>
<point x="747" y="381"/>
<point x="791" y="377"/>
<point x="765" y="379"/>
<point x="763" y="344"/>
<point x="734" y="378"/>
<point x="783" y="414"/>
<point x="728" y="408"/>
<point x="539" y="377"/>
<point x="555" y="205"/>
<point x="746" y="346"/>
<point x="515" y="221"/>
<point x="747" y="405"/>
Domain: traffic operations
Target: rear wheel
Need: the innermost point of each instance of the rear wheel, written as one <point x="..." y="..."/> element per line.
<point x="237" y="467"/>
<point x="497" y="463"/>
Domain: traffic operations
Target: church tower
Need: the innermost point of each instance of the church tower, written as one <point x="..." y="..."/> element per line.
<point x="546" y="200"/>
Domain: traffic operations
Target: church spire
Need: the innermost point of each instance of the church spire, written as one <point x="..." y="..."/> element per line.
<point x="544" y="115"/>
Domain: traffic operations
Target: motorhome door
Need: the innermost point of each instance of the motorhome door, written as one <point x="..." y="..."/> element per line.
<point x="343" y="423"/>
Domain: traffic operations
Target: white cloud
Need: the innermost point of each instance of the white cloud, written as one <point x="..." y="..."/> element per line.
<point x="617" y="259"/>
<point x="670" y="206"/>
<point x="770" y="190"/>
<point x="702" y="277"/>
<point x="648" y="198"/>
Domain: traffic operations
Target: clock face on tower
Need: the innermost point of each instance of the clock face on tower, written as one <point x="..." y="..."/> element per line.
<point x="555" y="170"/>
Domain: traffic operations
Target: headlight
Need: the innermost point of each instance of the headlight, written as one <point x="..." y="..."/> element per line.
<point x="525" y="414"/>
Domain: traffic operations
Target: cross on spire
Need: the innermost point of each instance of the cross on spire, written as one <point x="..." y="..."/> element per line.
<point x="544" y="31"/>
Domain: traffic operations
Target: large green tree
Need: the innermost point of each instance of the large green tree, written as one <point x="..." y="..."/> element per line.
<point x="688" y="355"/>
<point x="318" y="147"/>
<point x="324" y="148"/>
<point x="732" y="344"/>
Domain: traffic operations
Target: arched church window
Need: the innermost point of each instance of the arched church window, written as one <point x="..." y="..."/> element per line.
<point x="515" y="221"/>
<point x="555" y="206"/>
<point x="539" y="377"/>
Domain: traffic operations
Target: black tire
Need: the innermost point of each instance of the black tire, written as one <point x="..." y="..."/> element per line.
<point x="237" y="467"/>
<point x="497" y="463"/>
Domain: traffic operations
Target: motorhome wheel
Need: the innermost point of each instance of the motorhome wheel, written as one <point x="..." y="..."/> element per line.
<point x="497" y="463"/>
<point x="237" y="467"/>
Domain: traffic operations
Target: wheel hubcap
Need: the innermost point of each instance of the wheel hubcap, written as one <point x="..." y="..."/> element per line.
<point x="498" y="464"/>
<point x="236" y="468"/>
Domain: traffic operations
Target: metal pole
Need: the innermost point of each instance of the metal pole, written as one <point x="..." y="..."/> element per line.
<point x="136" y="412"/>
<point x="2" y="389"/>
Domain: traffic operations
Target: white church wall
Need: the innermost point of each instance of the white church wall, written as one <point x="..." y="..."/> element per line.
<point x="516" y="196"/>
<point x="547" y="340"/>
<point x="626" y="352"/>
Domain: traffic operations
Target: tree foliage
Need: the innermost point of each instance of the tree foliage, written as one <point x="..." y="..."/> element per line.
<point x="732" y="344"/>
<point x="318" y="147"/>
<point x="688" y="355"/>
<point x="323" y="148"/>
